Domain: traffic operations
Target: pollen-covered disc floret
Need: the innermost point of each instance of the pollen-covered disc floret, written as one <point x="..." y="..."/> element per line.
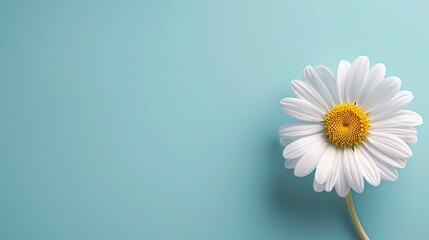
<point x="346" y="125"/>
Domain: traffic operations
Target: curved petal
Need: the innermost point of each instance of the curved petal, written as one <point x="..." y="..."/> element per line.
<point x="343" y="70"/>
<point x="299" y="129"/>
<point x="381" y="157"/>
<point x="329" y="80"/>
<point x="355" y="78"/>
<point x="303" y="90"/>
<point x="403" y="162"/>
<point x="330" y="183"/>
<point x="353" y="170"/>
<point x="342" y="187"/>
<point x="404" y="132"/>
<point x="290" y="132"/>
<point x="400" y="118"/>
<point x="375" y="75"/>
<point x="399" y="101"/>
<point x="387" y="173"/>
<point x="311" y="76"/>
<point x="291" y="163"/>
<point x="301" y="109"/>
<point x="369" y="169"/>
<point x="308" y="162"/>
<point x="388" y="144"/>
<point x="318" y="187"/>
<point x="299" y="147"/>
<point x="286" y="141"/>
<point x="382" y="93"/>
<point x="325" y="166"/>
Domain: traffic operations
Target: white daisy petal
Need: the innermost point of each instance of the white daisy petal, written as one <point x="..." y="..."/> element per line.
<point x="400" y="118"/>
<point x="308" y="162"/>
<point x="303" y="90"/>
<point x="408" y="117"/>
<point x="342" y="187"/>
<point x="297" y="129"/>
<point x="299" y="147"/>
<point x="389" y="144"/>
<point x="343" y="70"/>
<point x="375" y="75"/>
<point x="402" y="162"/>
<point x="401" y="99"/>
<point x="286" y="141"/>
<point x="404" y="132"/>
<point x="311" y="76"/>
<point x="386" y="123"/>
<point x="329" y="80"/>
<point x="326" y="165"/>
<point x="387" y="173"/>
<point x="330" y="183"/>
<point x="381" y="157"/>
<point x="369" y="169"/>
<point x="353" y="170"/>
<point x="291" y="163"/>
<point x="382" y="93"/>
<point x="301" y="109"/>
<point x="318" y="187"/>
<point x="290" y="132"/>
<point x="355" y="78"/>
<point x="412" y="140"/>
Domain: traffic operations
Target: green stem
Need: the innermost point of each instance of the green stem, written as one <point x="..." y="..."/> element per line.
<point x="355" y="218"/>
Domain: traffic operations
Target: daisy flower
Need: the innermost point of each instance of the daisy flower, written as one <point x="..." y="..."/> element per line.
<point x="351" y="127"/>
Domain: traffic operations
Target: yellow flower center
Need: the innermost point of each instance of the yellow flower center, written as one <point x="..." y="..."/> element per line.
<point x="346" y="125"/>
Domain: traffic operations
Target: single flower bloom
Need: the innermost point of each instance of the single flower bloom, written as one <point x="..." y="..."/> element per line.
<point x="353" y="126"/>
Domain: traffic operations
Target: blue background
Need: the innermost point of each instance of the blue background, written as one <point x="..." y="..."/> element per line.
<point x="159" y="120"/>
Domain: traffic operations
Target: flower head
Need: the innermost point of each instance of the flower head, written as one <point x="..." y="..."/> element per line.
<point x="352" y="127"/>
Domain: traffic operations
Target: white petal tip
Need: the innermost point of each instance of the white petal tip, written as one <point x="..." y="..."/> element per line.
<point x="362" y="59"/>
<point x="375" y="184"/>
<point x="343" y="194"/>
<point x="418" y="119"/>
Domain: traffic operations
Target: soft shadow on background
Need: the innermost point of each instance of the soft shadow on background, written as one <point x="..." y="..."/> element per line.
<point x="293" y="198"/>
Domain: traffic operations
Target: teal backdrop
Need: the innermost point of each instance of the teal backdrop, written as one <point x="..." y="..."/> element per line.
<point x="159" y="119"/>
